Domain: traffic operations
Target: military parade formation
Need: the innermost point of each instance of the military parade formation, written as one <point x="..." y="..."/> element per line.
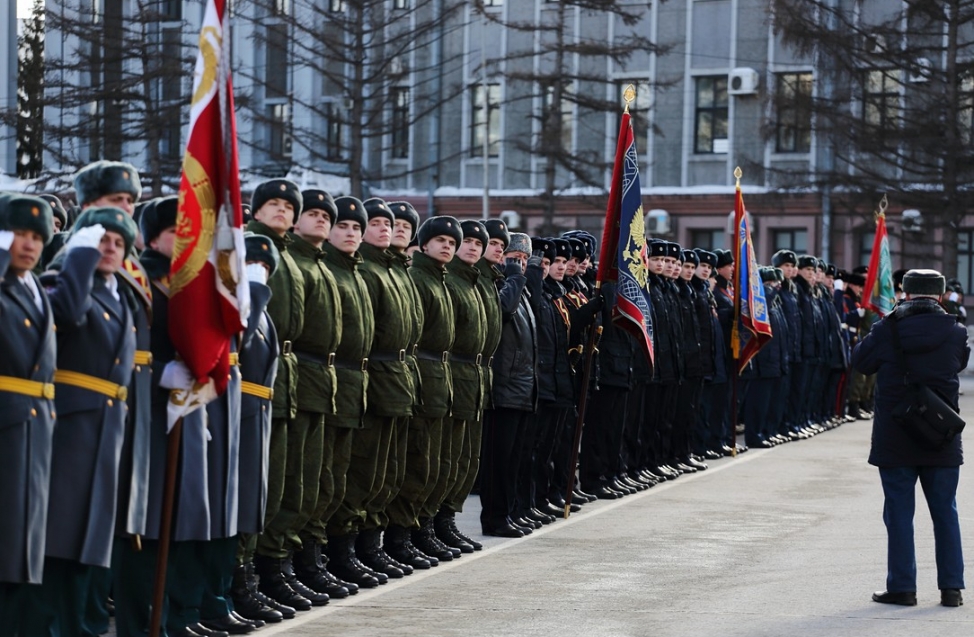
<point x="389" y="369"/>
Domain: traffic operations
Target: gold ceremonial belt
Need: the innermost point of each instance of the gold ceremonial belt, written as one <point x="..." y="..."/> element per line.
<point x="234" y="359"/>
<point x="84" y="381"/>
<point x="142" y="357"/>
<point x="26" y="387"/>
<point x="253" y="389"/>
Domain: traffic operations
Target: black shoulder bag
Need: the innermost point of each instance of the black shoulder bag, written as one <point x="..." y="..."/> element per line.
<point x="922" y="412"/>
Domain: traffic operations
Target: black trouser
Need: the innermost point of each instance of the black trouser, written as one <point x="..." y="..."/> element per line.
<point x="545" y="465"/>
<point x="649" y="432"/>
<point x="499" y="458"/>
<point x="562" y="455"/>
<point x="632" y="454"/>
<point x="602" y="437"/>
<point x="668" y="395"/>
<point x="687" y="406"/>
<point x="757" y="407"/>
<point x="524" y="487"/>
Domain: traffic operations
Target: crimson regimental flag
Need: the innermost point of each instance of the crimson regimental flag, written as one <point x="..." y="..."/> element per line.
<point x="752" y="323"/>
<point x="623" y="255"/>
<point x="210" y="296"/>
<point x="878" y="294"/>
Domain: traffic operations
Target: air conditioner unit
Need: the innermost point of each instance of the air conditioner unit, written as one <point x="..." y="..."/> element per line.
<point x="912" y="220"/>
<point x="657" y="222"/>
<point x="920" y="73"/>
<point x="512" y="219"/>
<point x="743" y="81"/>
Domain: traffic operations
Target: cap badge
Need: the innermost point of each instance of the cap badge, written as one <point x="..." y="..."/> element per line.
<point x="35" y="211"/>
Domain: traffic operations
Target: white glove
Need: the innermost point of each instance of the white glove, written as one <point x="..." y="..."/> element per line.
<point x="177" y="376"/>
<point x="861" y="311"/>
<point x="6" y="239"/>
<point x="88" y="237"/>
<point x="838" y="284"/>
<point x="953" y="297"/>
<point x="256" y="273"/>
<point x="962" y="311"/>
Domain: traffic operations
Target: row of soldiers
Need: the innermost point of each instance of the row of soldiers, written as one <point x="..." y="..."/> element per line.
<point x="374" y="383"/>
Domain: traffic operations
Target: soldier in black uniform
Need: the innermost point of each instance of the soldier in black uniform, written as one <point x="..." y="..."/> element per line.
<point x="694" y="367"/>
<point x="705" y="443"/>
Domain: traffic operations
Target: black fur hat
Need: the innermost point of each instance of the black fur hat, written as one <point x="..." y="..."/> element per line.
<point x="562" y="249"/>
<point x="435" y="226"/>
<point x="691" y="256"/>
<point x="657" y="248"/>
<point x="545" y="246"/>
<point x="497" y="229"/>
<point x="57" y="208"/>
<point x="782" y="257"/>
<point x="25" y="212"/>
<point x="104" y="178"/>
<point x="706" y="256"/>
<point x="351" y="209"/>
<point x="314" y="199"/>
<point x="376" y="207"/>
<point x="924" y="282"/>
<point x="474" y="229"/>
<point x="277" y="189"/>
<point x="157" y="215"/>
<point x="724" y="258"/>
<point x="674" y="250"/>
<point x="579" y="250"/>
<point x="807" y="261"/>
<point x="405" y="211"/>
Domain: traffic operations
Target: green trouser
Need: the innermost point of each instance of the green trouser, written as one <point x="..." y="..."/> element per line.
<point x="57" y="607"/>
<point x="451" y="454"/>
<point x="376" y="513"/>
<point x="404" y="508"/>
<point x="219" y="561"/>
<point x="469" y="466"/>
<point x="857" y="387"/>
<point x="365" y="476"/>
<point x="276" y="471"/>
<point x="246" y="547"/>
<point x="303" y="452"/>
<point x="185" y="583"/>
<point x="133" y="575"/>
<point x="331" y="480"/>
<point x="441" y="440"/>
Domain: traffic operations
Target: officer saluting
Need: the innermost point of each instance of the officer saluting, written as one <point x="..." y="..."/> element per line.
<point x="26" y="399"/>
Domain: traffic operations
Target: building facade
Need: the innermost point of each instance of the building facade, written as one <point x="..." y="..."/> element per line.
<point x="8" y="86"/>
<point x="437" y="102"/>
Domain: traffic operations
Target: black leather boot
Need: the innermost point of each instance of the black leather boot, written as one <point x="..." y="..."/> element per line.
<point x="342" y="562"/>
<point x="316" y="598"/>
<point x="443" y="527"/>
<point x="396" y="544"/>
<point x="477" y="546"/>
<point x="244" y="603"/>
<point x="309" y="569"/>
<point x="425" y="540"/>
<point x="368" y="551"/>
<point x="274" y="586"/>
<point x="405" y="568"/>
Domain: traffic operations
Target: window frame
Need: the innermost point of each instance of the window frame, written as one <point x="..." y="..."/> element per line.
<point x="790" y="109"/>
<point x="716" y="111"/>
<point x="475" y="140"/>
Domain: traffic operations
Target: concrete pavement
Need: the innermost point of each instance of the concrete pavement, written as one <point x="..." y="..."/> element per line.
<point x="787" y="541"/>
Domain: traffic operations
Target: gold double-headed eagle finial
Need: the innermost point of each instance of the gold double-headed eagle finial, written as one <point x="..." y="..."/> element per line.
<point x="629" y="95"/>
<point x="738" y="173"/>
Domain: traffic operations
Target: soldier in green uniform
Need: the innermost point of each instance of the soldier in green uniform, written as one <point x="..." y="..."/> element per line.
<point x="351" y="361"/>
<point x="426" y="487"/>
<point x="276" y="204"/>
<point x="462" y="431"/>
<point x="392" y="387"/>
<point x="397" y="517"/>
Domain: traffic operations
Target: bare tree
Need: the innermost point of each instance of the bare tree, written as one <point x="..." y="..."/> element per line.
<point x="562" y="79"/>
<point x="893" y="105"/>
<point x="30" y="94"/>
<point x="117" y="89"/>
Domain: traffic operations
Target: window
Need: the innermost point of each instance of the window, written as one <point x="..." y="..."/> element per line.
<point x="493" y="3"/>
<point x="638" y="110"/>
<point x="795" y="239"/>
<point x="276" y="72"/>
<point x="333" y="132"/>
<point x="96" y="130"/>
<point x="565" y="108"/>
<point x="170" y="9"/>
<point x="400" y="4"/>
<point x="279" y="131"/>
<point x="710" y="128"/>
<point x="171" y="81"/>
<point x="171" y="146"/>
<point x="881" y="99"/>
<point x="965" y="113"/>
<point x="866" y="238"/>
<point x="708" y="239"/>
<point x="400" y="122"/>
<point x="965" y="259"/>
<point x="793" y="94"/>
<point x="485" y="116"/>
<point x="336" y="6"/>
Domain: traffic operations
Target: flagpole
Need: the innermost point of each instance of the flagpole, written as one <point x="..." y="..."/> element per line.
<point x="165" y="527"/>
<point x="594" y="331"/>
<point x="735" y="328"/>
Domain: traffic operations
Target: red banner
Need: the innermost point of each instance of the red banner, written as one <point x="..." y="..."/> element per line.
<point x="209" y="294"/>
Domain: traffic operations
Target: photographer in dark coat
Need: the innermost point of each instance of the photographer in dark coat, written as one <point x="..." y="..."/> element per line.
<point x="935" y="350"/>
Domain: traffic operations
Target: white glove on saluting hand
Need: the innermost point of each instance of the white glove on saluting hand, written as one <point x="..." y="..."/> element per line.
<point x="88" y="237"/>
<point x="6" y="239"/>
<point x="953" y="297"/>
<point x="861" y="311"/>
<point x="177" y="376"/>
<point x="256" y="273"/>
